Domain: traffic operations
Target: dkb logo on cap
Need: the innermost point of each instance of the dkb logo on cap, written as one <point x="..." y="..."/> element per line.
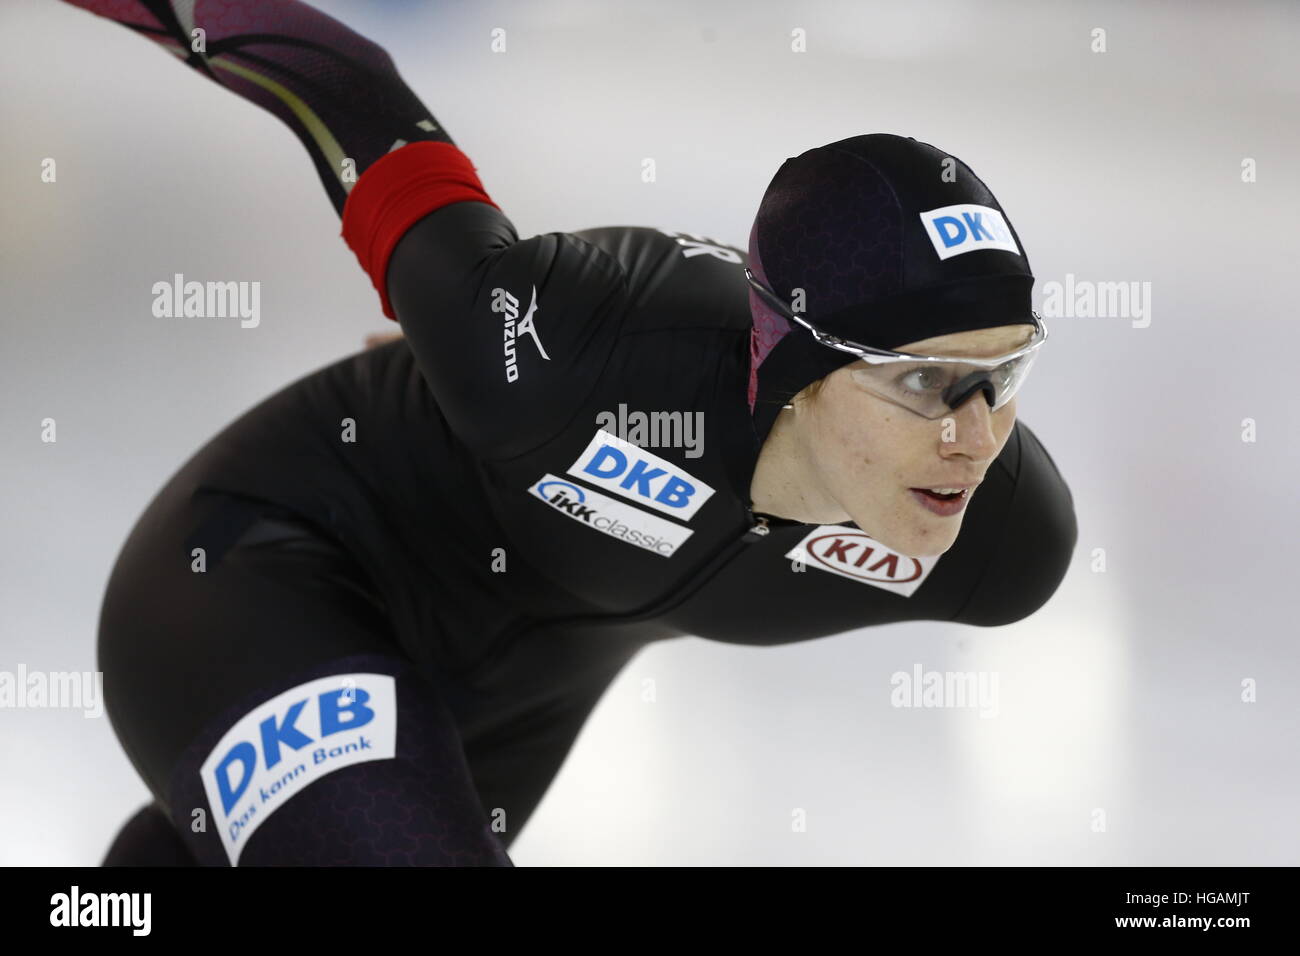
<point x="967" y="228"/>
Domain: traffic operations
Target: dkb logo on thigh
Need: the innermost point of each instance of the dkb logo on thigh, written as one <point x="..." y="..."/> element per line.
<point x="293" y="739"/>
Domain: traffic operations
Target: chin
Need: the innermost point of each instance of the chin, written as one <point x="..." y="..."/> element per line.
<point x="915" y="545"/>
<point x="930" y="552"/>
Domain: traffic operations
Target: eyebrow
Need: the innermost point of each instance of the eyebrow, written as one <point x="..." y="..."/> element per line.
<point x="967" y="353"/>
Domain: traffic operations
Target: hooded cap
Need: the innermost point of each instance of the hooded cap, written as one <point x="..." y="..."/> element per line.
<point x="891" y="241"/>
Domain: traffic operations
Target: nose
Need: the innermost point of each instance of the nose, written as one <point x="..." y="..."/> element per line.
<point x="972" y="433"/>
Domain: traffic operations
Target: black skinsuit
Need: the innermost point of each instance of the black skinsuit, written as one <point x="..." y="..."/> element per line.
<point x="414" y="511"/>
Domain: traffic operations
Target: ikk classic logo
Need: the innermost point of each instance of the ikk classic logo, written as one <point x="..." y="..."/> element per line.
<point x="290" y="741"/>
<point x="851" y="553"/>
<point x="967" y="227"/>
<point x="628" y="524"/>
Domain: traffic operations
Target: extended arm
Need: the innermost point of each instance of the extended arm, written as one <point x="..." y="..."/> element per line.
<point x="339" y="92"/>
<point x="509" y="335"/>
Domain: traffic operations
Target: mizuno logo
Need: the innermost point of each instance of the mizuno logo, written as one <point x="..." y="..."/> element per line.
<point x="515" y="328"/>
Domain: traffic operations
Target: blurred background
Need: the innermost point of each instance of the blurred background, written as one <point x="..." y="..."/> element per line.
<point x="1121" y="737"/>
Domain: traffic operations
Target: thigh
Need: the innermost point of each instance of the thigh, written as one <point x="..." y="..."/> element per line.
<point x="264" y="700"/>
<point x="539" y="694"/>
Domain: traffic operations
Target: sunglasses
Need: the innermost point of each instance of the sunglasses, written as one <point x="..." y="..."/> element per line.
<point x="931" y="386"/>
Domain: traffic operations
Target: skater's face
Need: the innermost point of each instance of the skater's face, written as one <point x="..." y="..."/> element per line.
<point x="873" y="458"/>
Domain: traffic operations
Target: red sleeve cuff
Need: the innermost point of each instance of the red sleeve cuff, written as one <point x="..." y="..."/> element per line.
<point x="397" y="191"/>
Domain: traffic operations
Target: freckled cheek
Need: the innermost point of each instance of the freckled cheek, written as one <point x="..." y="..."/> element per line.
<point x="859" y="455"/>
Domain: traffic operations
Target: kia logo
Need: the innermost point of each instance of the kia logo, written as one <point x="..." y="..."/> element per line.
<point x="864" y="558"/>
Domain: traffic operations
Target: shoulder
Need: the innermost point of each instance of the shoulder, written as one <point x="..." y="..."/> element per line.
<point x="1024" y="533"/>
<point x="677" y="280"/>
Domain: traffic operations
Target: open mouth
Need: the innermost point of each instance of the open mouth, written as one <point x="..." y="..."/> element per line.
<point x="941" y="501"/>
<point x="941" y="496"/>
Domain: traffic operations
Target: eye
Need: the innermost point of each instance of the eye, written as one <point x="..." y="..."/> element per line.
<point x="925" y="378"/>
